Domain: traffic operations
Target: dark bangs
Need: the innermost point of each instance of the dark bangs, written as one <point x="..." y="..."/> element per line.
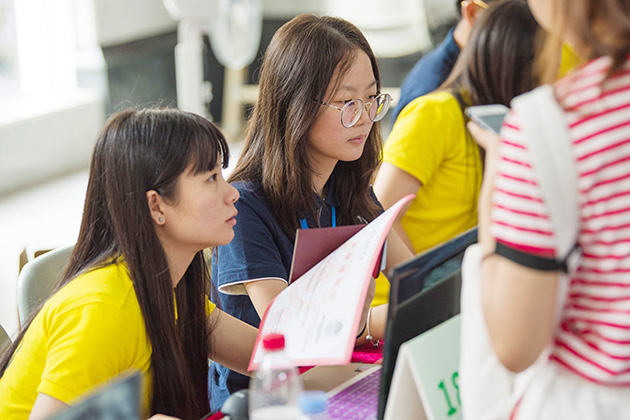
<point x="206" y="143"/>
<point x="181" y="139"/>
<point x="344" y="61"/>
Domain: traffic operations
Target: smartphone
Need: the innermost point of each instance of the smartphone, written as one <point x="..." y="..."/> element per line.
<point x="489" y="117"/>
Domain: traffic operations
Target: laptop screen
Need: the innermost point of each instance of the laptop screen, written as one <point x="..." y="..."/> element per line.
<point x="425" y="292"/>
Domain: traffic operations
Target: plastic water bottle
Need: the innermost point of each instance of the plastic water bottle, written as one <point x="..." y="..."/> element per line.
<point x="314" y="405"/>
<point x="276" y="385"/>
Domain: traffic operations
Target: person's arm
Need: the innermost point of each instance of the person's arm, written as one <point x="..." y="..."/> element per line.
<point x="518" y="302"/>
<point x="45" y="406"/>
<point x="262" y="292"/>
<point x="518" y="306"/>
<point x="392" y="184"/>
<point x="232" y="341"/>
<point x="397" y="251"/>
<point x="378" y="321"/>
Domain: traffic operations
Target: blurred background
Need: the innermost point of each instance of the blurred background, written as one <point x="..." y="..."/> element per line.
<point x="65" y="65"/>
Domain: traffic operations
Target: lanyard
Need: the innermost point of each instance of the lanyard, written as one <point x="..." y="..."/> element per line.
<point x="304" y="224"/>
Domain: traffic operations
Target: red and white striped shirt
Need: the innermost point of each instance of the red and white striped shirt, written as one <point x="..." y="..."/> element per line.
<point x="594" y="336"/>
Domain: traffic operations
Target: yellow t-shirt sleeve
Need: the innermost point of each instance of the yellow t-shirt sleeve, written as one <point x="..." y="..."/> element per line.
<point x="209" y="306"/>
<point x="429" y="141"/>
<point x="570" y="60"/>
<point x="381" y="294"/>
<point x="87" y="347"/>
<point x="418" y="142"/>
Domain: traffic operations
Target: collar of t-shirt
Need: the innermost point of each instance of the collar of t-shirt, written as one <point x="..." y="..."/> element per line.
<point x="326" y="208"/>
<point x="450" y="46"/>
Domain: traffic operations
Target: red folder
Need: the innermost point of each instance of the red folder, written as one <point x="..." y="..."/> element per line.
<point x="314" y="244"/>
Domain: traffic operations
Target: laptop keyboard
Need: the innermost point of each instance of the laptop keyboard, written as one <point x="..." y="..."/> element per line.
<point x="359" y="401"/>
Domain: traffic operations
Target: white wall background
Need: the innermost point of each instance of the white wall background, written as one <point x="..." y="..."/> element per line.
<point x="121" y="21"/>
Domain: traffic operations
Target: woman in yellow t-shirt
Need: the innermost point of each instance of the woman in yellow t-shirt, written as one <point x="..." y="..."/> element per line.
<point x="429" y="152"/>
<point x="134" y="295"/>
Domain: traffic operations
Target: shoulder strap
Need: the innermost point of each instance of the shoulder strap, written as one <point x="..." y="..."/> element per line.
<point x="546" y="129"/>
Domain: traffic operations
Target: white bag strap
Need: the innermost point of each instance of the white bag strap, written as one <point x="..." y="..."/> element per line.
<point x="546" y="128"/>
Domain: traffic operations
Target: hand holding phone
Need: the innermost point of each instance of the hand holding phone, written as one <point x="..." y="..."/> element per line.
<point x="489" y="117"/>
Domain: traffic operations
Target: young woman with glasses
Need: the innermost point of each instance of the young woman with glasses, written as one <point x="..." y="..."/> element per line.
<point x="429" y="152"/>
<point x="312" y="145"/>
<point x="135" y="293"/>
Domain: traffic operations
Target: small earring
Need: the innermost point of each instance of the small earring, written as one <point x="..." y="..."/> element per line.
<point x="160" y="219"/>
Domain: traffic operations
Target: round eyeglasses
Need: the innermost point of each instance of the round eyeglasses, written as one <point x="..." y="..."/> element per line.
<point x="352" y="110"/>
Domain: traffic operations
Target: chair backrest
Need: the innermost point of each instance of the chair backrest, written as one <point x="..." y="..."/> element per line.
<point x="425" y="292"/>
<point x="4" y="337"/>
<point x="38" y="278"/>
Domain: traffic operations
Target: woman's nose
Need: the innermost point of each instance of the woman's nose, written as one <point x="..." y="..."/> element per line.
<point x="232" y="194"/>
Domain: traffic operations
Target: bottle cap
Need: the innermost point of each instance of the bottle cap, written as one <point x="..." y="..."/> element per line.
<point x="273" y="342"/>
<point x="313" y="402"/>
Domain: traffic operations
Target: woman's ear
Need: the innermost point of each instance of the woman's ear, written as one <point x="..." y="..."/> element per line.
<point x="470" y="11"/>
<point x="155" y="202"/>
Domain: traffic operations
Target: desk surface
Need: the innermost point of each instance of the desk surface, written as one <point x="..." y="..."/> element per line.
<point x="326" y="378"/>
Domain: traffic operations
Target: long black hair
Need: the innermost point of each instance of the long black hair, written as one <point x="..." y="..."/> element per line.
<point x="138" y="151"/>
<point x="497" y="63"/>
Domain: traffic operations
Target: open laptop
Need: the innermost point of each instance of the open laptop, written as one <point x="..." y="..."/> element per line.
<point x="425" y="292"/>
<point x="425" y="384"/>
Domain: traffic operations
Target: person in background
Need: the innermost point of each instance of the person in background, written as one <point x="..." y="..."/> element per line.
<point x="312" y="145"/>
<point x="134" y="295"/>
<point x="588" y="372"/>
<point x="429" y="151"/>
<point x="431" y="70"/>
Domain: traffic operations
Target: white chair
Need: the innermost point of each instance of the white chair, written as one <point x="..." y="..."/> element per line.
<point x="4" y="337"/>
<point x="38" y="278"/>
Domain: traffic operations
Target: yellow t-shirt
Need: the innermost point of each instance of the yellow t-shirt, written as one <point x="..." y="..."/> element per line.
<point x="429" y="141"/>
<point x="86" y="335"/>
<point x="570" y="60"/>
<point x="381" y="293"/>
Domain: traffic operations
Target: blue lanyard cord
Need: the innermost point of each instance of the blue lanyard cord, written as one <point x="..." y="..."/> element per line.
<point x="304" y="224"/>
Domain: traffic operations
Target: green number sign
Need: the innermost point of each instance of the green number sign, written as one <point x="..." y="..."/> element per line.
<point x="444" y="388"/>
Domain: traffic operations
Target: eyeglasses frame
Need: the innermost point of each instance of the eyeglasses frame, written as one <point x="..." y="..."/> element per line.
<point x="363" y="108"/>
<point x="479" y="3"/>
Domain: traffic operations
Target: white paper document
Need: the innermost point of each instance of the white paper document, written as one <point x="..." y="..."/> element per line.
<point x="319" y="313"/>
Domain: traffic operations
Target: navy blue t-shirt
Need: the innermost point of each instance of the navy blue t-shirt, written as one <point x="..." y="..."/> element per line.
<point x="260" y="249"/>
<point x="428" y="73"/>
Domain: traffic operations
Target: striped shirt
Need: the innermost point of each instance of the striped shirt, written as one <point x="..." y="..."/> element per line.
<point x="594" y="335"/>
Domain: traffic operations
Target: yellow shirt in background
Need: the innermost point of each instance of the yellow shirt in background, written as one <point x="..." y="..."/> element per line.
<point x="429" y="141"/>
<point x="381" y="293"/>
<point x="86" y="335"/>
<point x="570" y="60"/>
